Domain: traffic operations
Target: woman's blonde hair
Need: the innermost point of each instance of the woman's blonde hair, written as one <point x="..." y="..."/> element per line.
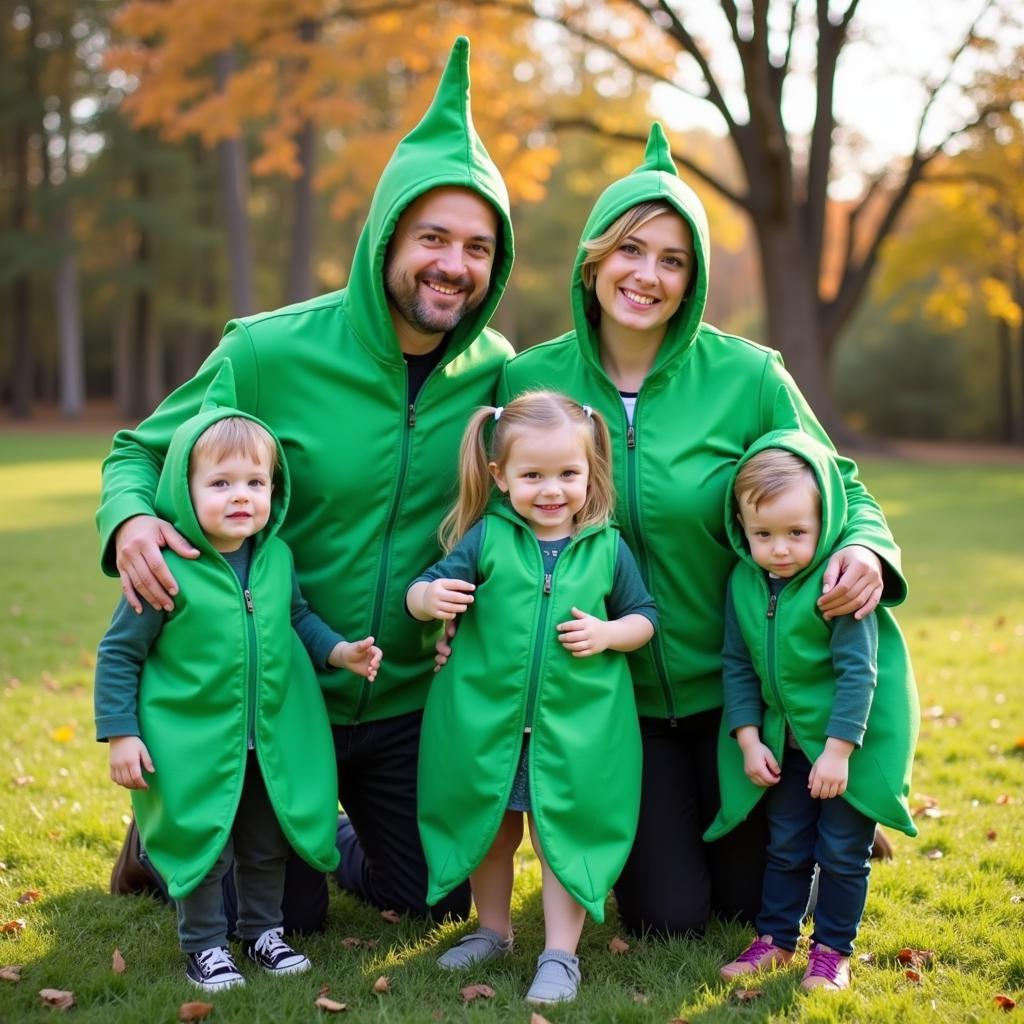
<point x="532" y="410"/>
<point x="235" y="435"/>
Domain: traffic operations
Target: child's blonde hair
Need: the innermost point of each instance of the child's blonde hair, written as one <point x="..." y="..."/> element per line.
<point x="235" y="435"/>
<point x="769" y="473"/>
<point x="532" y="410"/>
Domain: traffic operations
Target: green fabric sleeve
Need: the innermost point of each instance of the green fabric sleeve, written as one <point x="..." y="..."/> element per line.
<point x="740" y="683"/>
<point x="317" y="637"/>
<point x="629" y="596"/>
<point x="119" y="660"/>
<point x="782" y="406"/>
<point x="131" y="470"/>
<point x="855" y="661"/>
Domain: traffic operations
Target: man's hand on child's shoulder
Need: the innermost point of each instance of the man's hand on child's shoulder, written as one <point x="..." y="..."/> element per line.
<point x="128" y="758"/>
<point x="359" y="656"/>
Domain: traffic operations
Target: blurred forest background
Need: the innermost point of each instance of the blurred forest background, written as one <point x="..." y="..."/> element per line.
<point x="168" y="164"/>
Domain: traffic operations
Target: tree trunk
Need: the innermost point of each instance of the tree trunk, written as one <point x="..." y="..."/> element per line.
<point x="21" y="287"/>
<point x="234" y="180"/>
<point x="123" y="370"/>
<point x="69" y="320"/>
<point x="300" y="263"/>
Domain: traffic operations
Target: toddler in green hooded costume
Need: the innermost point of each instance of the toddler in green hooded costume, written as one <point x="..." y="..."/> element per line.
<point x="824" y="713"/>
<point x="214" y="715"/>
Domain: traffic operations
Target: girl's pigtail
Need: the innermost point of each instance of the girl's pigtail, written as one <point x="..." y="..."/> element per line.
<point x="474" y="481"/>
<point x="600" y="503"/>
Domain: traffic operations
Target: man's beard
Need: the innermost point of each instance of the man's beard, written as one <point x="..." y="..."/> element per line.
<point x="403" y="293"/>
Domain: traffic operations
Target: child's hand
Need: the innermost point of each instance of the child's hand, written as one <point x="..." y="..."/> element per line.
<point x="128" y="758"/>
<point x="444" y="599"/>
<point x="760" y="765"/>
<point x="830" y="772"/>
<point x="359" y="656"/>
<point x="583" y="635"/>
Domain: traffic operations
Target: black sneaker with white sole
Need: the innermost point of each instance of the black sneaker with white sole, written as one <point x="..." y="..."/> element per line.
<point x="273" y="954"/>
<point x="213" y="969"/>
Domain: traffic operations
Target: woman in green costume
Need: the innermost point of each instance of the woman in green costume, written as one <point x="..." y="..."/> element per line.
<point x="535" y="711"/>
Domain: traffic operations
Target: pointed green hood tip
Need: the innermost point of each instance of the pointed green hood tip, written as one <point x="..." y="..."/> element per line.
<point x="221" y="392"/>
<point x="658" y="154"/>
<point x="442" y="150"/>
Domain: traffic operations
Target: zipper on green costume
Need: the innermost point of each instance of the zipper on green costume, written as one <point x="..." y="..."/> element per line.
<point x="640" y="550"/>
<point x="250" y="622"/>
<point x="538" y="641"/>
<point x="769" y="653"/>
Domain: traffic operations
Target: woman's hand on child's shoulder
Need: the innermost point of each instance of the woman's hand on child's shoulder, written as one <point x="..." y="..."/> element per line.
<point x="359" y="656"/>
<point x="128" y="758"/>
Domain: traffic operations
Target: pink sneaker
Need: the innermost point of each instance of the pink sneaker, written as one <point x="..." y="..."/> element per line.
<point x="827" y="968"/>
<point x="758" y="956"/>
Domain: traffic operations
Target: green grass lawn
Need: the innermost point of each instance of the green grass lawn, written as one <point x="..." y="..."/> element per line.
<point x="958" y="889"/>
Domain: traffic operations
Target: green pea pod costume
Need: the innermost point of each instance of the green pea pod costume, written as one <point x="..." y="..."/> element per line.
<point x="227" y="674"/>
<point x="791" y="655"/>
<point x="508" y="671"/>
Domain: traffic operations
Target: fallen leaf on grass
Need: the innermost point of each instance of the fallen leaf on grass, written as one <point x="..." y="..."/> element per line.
<point x="536" y="1018"/>
<point x="935" y="854"/>
<point x="57" y="997"/>
<point x="330" y="1005"/>
<point x="747" y="995"/>
<point x="31" y="896"/>
<point x="990" y="834"/>
<point x="916" y="957"/>
<point x="63" y="734"/>
<point x="117" y="964"/>
<point x="324" y="989"/>
<point x="1017" y="899"/>
<point x="194" y="1011"/>
<point x="12" y="927"/>
<point x="471" y="992"/>
<point x="351" y="942"/>
<point x="1003" y="799"/>
<point x="1019" y="743"/>
<point x="678" y="1020"/>
<point x="23" y="780"/>
<point x="618" y="946"/>
<point x="382" y="984"/>
<point x="641" y="997"/>
<point x="11" y="973"/>
<point x="392" y="916"/>
<point x="912" y="975"/>
<point x="1004" y="1002"/>
<point x="866" y="958"/>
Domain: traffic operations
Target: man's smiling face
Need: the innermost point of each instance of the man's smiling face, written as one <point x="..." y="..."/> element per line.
<point x="439" y="263"/>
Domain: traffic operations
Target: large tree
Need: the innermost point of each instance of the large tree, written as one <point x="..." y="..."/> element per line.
<point x="746" y="60"/>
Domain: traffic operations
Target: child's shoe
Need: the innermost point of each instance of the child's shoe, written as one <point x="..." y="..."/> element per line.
<point x="273" y="954"/>
<point x="212" y="969"/>
<point x="557" y="979"/>
<point x="475" y="948"/>
<point x="827" y="968"/>
<point x="761" y="953"/>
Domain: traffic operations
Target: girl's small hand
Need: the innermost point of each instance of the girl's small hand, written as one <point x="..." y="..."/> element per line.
<point x="583" y="635"/>
<point x="128" y="758"/>
<point x="359" y="656"/>
<point x="760" y="765"/>
<point x="443" y="647"/>
<point x="444" y="599"/>
<point x="830" y="772"/>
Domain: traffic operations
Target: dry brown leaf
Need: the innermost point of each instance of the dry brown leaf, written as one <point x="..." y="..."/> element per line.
<point x="370" y="944"/>
<point x="678" y="1020"/>
<point x="916" y="957"/>
<point x="392" y="916"/>
<point x="991" y="834"/>
<point x="351" y="942"/>
<point x="471" y="992"/>
<point x="57" y="997"/>
<point x="1003" y="799"/>
<point x="641" y="997"/>
<point x="330" y="1005"/>
<point x="324" y="989"/>
<point x="536" y="1018"/>
<point x="117" y="963"/>
<point x="30" y="896"/>
<point x="935" y="854"/>
<point x="11" y="973"/>
<point x="1004" y="1002"/>
<point x="194" y="1011"/>
<point x="911" y="975"/>
<point x="747" y="995"/>
<point x="12" y="927"/>
<point x="866" y="958"/>
<point x="23" y="780"/>
<point x="382" y="984"/>
<point x="618" y="946"/>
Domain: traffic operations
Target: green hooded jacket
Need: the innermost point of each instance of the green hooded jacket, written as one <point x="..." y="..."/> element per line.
<point x="227" y="674"/>
<point x="791" y="654"/>
<point x="706" y="399"/>
<point x="372" y="473"/>
<point x="507" y="671"/>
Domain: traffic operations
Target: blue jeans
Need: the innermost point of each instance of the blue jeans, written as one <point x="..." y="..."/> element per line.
<point x="804" y="831"/>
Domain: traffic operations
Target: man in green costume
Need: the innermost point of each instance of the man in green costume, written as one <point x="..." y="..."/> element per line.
<point x="368" y="389"/>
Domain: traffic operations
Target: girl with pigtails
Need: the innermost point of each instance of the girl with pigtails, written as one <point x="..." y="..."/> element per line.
<point x="534" y="711"/>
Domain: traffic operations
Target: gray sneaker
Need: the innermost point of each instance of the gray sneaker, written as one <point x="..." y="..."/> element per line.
<point x="557" y="979"/>
<point x="475" y="948"/>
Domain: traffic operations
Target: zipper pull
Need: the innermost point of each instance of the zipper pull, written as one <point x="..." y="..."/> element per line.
<point x="412" y="415"/>
<point x="248" y="602"/>
<point x="772" y="601"/>
<point x="547" y="583"/>
<point x="631" y="436"/>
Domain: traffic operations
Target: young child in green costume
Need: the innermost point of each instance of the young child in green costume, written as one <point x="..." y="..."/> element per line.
<point x="824" y="714"/>
<point x="213" y="714"/>
<point x="535" y="710"/>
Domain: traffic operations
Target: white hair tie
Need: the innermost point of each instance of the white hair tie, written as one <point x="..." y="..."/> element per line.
<point x="497" y="413"/>
<point x="589" y="412"/>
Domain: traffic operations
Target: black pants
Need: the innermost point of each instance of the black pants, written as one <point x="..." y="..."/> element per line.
<point x="673" y="881"/>
<point x="381" y="856"/>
